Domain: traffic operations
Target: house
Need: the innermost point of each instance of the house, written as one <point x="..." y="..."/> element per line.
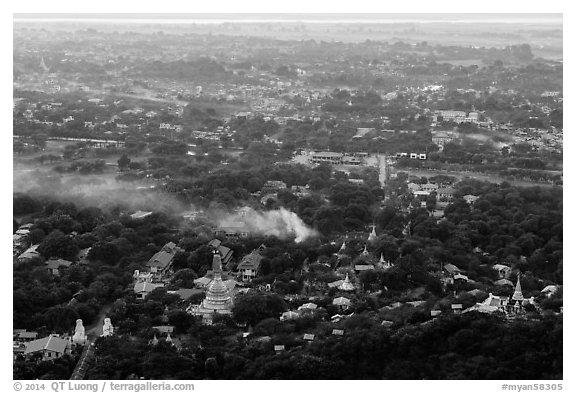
<point x="361" y="268"/>
<point x="273" y="186"/>
<point x="335" y="284"/>
<point x="250" y="264"/>
<point x="143" y="288"/>
<point x="20" y="241"/>
<point x="430" y="187"/>
<point x="308" y="306"/>
<point x="308" y="337"/>
<point x="347" y="160"/>
<point x="234" y="230"/>
<point x="50" y="348"/>
<point x="503" y="270"/>
<point x="329" y="157"/>
<point x="337" y="332"/>
<point x="470" y="199"/>
<point x="445" y="193"/>
<point x="490" y="304"/>
<point x="451" y="269"/>
<point x="459" y="276"/>
<point x="53" y="265"/>
<point x="225" y="252"/>
<point x="29" y="254"/>
<point x="441" y="138"/>
<point x="342" y="302"/>
<point x="164" y="329"/>
<point x="26" y="336"/>
<point x="289" y="315"/>
<point x="161" y="262"/>
<point x="550" y="290"/>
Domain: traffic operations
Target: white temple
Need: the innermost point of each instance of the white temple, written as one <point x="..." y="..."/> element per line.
<point x="218" y="296"/>
<point x="346" y="285"/>
<point x="107" y="329"/>
<point x="79" y="333"/>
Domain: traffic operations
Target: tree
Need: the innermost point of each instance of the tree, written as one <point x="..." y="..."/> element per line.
<point x="57" y="244"/>
<point x="123" y="162"/>
<point x="252" y="308"/>
<point x="104" y="251"/>
<point x="24" y="204"/>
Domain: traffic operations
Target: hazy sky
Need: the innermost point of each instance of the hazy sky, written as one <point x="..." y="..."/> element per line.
<point x="340" y="17"/>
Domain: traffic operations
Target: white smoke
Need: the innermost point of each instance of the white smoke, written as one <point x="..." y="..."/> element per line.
<point x="281" y="223"/>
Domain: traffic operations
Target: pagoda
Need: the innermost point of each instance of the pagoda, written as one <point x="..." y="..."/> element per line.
<point x="365" y="252"/>
<point x="373" y="236"/>
<point x="43" y="65"/>
<point x="517" y="296"/>
<point x="383" y="263"/>
<point x="346" y="285"/>
<point x="218" y="296"/>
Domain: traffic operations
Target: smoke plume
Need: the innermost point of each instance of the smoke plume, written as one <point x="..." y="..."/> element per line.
<point x="280" y="223"/>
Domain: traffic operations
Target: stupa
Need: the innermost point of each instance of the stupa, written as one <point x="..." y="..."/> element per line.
<point x="373" y="236"/>
<point x="218" y="296"/>
<point x="384" y="264"/>
<point x="107" y="329"/>
<point x="365" y="252"/>
<point x="346" y="285"/>
<point x="79" y="333"/>
<point x="517" y="296"/>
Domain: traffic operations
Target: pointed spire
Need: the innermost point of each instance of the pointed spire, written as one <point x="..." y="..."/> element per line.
<point x="373" y="236"/>
<point x="43" y="65"/>
<point x="217" y="263"/>
<point x="384" y="264"/>
<point x="518" y="292"/>
<point x="346" y="285"/>
<point x="169" y="339"/>
<point x="343" y="246"/>
<point x="365" y="252"/>
<point x="155" y="340"/>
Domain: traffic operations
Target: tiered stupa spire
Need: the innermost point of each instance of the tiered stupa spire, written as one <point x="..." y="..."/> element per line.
<point x="517" y="296"/>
